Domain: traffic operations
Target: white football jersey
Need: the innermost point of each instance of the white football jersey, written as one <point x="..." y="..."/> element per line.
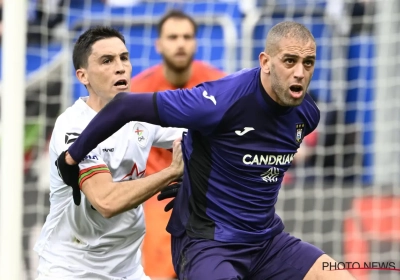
<point x="77" y="239"/>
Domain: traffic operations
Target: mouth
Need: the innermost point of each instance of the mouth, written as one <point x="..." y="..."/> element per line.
<point x="181" y="54"/>
<point x="296" y="91"/>
<point x="121" y="84"/>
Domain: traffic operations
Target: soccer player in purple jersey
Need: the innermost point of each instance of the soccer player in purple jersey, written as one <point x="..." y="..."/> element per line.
<point x="243" y="132"/>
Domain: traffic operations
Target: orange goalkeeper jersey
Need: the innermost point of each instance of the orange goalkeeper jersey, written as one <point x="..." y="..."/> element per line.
<point x="157" y="260"/>
<point x="152" y="80"/>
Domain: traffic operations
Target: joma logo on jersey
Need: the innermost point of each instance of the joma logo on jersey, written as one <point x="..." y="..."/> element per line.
<point x="209" y="97"/>
<point x="268" y="159"/>
<point x="299" y="132"/>
<point x="271" y="175"/>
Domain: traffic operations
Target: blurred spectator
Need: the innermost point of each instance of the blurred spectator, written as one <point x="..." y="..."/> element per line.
<point x="360" y="11"/>
<point x="245" y="7"/>
<point x="121" y="3"/>
<point x="350" y="16"/>
<point x="43" y="17"/>
<point x="176" y="44"/>
<point x="335" y="10"/>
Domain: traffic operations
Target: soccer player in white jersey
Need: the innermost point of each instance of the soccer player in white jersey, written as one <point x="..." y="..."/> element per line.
<point x="99" y="236"/>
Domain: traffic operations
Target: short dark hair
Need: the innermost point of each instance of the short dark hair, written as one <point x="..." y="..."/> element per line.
<point x="175" y="14"/>
<point x="83" y="46"/>
<point x="286" y="29"/>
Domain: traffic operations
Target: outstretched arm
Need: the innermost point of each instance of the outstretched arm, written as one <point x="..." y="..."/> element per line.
<point x="112" y="198"/>
<point x="195" y="108"/>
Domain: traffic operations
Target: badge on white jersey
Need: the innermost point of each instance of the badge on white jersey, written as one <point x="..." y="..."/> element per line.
<point x="142" y="134"/>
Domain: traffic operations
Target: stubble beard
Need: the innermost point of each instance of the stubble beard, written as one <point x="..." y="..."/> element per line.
<point x="175" y="68"/>
<point x="282" y="94"/>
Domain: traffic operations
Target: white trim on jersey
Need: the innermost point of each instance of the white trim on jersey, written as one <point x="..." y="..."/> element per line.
<point x="76" y="238"/>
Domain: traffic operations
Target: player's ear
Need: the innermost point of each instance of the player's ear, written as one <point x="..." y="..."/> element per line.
<point x="265" y="62"/>
<point x="81" y="75"/>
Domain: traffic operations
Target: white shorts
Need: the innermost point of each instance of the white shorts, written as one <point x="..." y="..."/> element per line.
<point x="49" y="271"/>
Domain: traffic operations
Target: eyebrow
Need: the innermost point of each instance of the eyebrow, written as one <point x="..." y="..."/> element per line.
<point x="111" y="56"/>
<point x="296" y="56"/>
<point x="177" y="34"/>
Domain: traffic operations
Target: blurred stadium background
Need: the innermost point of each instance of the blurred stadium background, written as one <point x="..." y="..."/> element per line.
<point x="343" y="192"/>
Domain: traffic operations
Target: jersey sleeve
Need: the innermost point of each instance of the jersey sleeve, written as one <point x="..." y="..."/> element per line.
<point x="200" y="108"/>
<point x="91" y="165"/>
<point x="165" y="136"/>
<point x="64" y="135"/>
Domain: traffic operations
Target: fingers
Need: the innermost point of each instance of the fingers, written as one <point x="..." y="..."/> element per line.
<point x="177" y="145"/>
<point x="177" y="149"/>
<point x="177" y="141"/>
<point x="169" y="206"/>
<point x="76" y="194"/>
<point x="169" y="192"/>
<point x="177" y="161"/>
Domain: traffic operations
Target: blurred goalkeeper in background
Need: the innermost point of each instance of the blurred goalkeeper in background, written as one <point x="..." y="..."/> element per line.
<point x="243" y="133"/>
<point x="176" y="44"/>
<point x="99" y="235"/>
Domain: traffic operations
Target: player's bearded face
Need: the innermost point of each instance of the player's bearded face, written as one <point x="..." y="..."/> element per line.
<point x="109" y="68"/>
<point x="291" y="71"/>
<point x="177" y="44"/>
<point x="178" y="65"/>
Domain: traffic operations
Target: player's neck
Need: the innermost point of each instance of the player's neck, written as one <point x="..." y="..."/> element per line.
<point x="95" y="103"/>
<point x="177" y="79"/>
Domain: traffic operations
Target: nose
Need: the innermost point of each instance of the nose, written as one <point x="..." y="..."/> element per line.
<point x="181" y="41"/>
<point x="120" y="67"/>
<point x="299" y="71"/>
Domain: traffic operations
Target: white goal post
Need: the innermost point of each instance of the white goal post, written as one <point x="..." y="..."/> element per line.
<point x="12" y="130"/>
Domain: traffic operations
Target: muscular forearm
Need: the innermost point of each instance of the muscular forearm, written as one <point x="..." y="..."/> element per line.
<point x="125" y="107"/>
<point x="117" y="197"/>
